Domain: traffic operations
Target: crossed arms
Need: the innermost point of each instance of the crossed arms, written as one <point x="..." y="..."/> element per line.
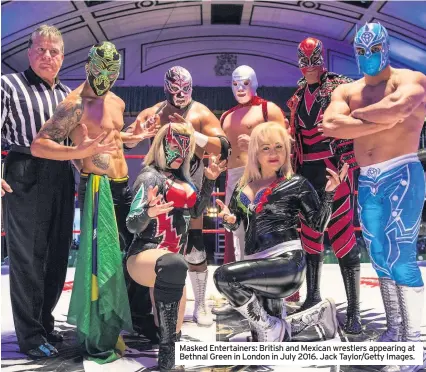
<point x="340" y="122"/>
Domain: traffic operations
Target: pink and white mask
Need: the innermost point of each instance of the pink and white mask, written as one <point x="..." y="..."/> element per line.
<point x="244" y="84"/>
<point x="178" y="86"/>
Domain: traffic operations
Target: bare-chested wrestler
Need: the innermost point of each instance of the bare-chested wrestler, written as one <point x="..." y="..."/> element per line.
<point x="384" y="112"/>
<point x="238" y="123"/>
<point x="209" y="137"/>
<point x="92" y="116"/>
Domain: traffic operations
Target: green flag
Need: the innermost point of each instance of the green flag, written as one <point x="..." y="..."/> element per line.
<point x="99" y="304"/>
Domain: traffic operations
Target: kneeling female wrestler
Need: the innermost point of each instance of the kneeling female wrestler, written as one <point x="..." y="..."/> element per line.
<point x="165" y="200"/>
<point x="268" y="201"/>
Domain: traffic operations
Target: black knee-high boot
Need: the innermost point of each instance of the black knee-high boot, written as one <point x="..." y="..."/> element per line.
<point x="167" y="320"/>
<point x="350" y="268"/>
<point x="171" y="270"/>
<point x="314" y="264"/>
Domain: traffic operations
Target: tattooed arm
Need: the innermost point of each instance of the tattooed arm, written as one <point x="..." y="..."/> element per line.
<point x="47" y="143"/>
<point x="64" y="121"/>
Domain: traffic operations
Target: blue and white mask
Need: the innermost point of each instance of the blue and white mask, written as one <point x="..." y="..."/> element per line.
<point x="371" y="46"/>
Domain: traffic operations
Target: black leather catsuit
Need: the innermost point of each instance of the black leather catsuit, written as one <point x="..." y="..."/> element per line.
<point x="275" y="263"/>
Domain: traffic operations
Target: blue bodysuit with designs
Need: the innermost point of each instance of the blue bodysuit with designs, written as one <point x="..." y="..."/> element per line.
<point x="390" y="198"/>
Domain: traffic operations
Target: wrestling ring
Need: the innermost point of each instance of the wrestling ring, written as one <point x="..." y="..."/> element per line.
<point x="141" y="354"/>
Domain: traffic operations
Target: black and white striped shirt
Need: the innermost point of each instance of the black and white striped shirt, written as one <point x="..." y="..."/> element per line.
<point x="27" y="102"/>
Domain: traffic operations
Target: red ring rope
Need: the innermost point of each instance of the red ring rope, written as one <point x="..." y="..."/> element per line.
<point x="208" y="231"/>
<point x="142" y="156"/>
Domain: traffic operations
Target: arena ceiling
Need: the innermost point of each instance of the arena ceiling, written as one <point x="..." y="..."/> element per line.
<point x="154" y="34"/>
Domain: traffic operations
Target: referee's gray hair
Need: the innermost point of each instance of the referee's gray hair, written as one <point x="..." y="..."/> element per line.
<point x="46" y="31"/>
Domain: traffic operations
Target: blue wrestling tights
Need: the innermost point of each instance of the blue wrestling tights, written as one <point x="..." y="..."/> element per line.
<point x="390" y="200"/>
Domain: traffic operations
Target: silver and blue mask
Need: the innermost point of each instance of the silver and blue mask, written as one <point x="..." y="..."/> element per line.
<point x="371" y="46"/>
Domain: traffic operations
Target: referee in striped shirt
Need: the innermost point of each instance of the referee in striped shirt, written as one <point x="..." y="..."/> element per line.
<point x="39" y="196"/>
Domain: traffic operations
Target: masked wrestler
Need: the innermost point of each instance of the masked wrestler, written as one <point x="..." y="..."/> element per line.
<point x="313" y="154"/>
<point x="384" y="113"/>
<point x="267" y="202"/>
<point x="209" y="137"/>
<point x="92" y="116"/>
<point x="238" y="123"/>
<point x="165" y="200"/>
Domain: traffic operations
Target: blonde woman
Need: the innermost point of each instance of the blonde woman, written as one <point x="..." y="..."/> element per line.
<point x="159" y="216"/>
<point x="267" y="201"/>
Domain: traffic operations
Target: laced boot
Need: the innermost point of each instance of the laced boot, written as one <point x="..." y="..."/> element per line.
<point x="167" y="320"/>
<point x="322" y="315"/>
<point x="274" y="307"/>
<point x="314" y="264"/>
<point x="202" y="314"/>
<point x="389" y="294"/>
<point x="411" y="301"/>
<point x="351" y="280"/>
<point x="268" y="328"/>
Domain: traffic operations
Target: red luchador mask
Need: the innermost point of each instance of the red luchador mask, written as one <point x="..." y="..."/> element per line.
<point x="176" y="146"/>
<point x="310" y="54"/>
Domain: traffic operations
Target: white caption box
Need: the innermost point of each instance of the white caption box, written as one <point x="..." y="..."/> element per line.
<point x="298" y="353"/>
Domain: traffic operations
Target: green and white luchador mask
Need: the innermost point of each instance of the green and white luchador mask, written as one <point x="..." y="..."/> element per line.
<point x="103" y="67"/>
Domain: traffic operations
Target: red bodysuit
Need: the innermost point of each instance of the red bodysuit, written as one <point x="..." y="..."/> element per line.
<point x="167" y="230"/>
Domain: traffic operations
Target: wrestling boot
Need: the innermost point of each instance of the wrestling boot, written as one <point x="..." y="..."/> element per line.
<point x="313" y="277"/>
<point x="274" y="307"/>
<point x="389" y="294"/>
<point x="351" y="279"/>
<point x="268" y="328"/>
<point x="167" y="320"/>
<point x="411" y="302"/>
<point x="322" y="315"/>
<point x="202" y="314"/>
